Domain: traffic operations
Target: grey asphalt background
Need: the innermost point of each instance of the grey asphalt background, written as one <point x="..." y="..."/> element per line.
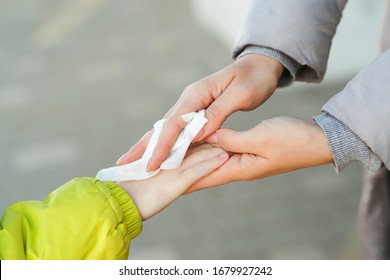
<point x="77" y="89"/>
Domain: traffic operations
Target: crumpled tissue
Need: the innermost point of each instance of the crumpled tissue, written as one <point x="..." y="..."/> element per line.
<point x="137" y="170"/>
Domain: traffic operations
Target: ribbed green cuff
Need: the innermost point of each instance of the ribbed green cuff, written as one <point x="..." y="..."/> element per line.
<point x="131" y="217"/>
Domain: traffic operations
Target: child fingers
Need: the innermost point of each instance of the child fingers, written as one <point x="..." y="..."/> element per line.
<point x="200" y="154"/>
<point x="195" y="148"/>
<point x="227" y="173"/>
<point x="195" y="172"/>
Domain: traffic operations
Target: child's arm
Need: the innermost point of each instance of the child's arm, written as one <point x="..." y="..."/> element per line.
<point x="82" y="219"/>
<point x="89" y="219"/>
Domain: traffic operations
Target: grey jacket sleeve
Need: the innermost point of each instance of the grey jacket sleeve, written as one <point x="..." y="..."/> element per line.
<point x="303" y="30"/>
<point x="346" y="146"/>
<point x="364" y="106"/>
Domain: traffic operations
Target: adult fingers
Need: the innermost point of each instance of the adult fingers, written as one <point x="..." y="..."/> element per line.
<point x="233" y="141"/>
<point x="173" y="125"/>
<point x="237" y="96"/>
<point x="219" y="110"/>
<point x="167" y="138"/>
<point x="197" y="96"/>
<point x="136" y="151"/>
<point x="239" y="167"/>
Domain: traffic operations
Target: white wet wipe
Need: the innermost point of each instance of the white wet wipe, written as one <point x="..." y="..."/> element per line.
<point x="137" y="170"/>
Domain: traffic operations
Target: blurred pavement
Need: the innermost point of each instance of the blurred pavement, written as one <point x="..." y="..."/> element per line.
<point x="82" y="81"/>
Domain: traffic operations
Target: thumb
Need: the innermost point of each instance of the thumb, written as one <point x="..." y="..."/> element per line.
<point x="231" y="140"/>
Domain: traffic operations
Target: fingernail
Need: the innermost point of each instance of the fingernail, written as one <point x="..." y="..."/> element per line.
<point x="149" y="166"/>
<point x="200" y="135"/>
<point x="212" y="139"/>
<point x="224" y="156"/>
<point x="119" y="161"/>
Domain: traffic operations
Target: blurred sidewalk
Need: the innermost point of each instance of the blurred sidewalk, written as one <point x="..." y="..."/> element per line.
<point x="82" y="81"/>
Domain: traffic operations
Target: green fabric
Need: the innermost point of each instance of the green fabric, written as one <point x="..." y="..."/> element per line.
<point x="83" y="219"/>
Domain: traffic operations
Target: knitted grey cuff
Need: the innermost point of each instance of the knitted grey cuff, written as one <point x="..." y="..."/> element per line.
<point x="290" y="65"/>
<point x="345" y="145"/>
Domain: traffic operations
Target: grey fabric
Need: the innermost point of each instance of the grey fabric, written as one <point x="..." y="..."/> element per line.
<point x="345" y="145"/>
<point x="290" y="65"/>
<point x="364" y="106"/>
<point x="302" y="29"/>
<point x="374" y="215"/>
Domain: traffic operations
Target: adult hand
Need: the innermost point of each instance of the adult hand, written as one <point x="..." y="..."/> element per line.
<point x="275" y="146"/>
<point x="154" y="194"/>
<point x="243" y="85"/>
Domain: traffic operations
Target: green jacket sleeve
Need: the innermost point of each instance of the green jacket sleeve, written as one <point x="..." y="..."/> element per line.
<point x="83" y="219"/>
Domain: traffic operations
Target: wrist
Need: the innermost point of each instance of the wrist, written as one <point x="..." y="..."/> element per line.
<point x="290" y="65"/>
<point x="134" y="191"/>
<point x="264" y="63"/>
<point x="319" y="145"/>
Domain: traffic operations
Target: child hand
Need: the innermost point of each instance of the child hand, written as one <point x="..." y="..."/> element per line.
<point x="154" y="194"/>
